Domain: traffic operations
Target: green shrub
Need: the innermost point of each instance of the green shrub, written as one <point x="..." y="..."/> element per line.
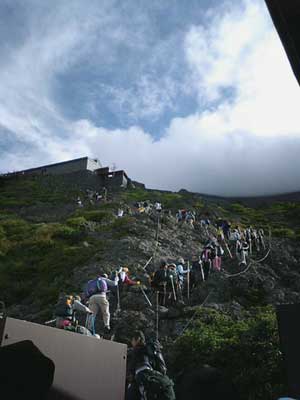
<point x="68" y="233"/>
<point x="77" y="222"/>
<point x="247" y="351"/>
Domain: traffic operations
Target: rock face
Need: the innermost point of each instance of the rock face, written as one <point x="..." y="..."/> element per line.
<point x="84" y="242"/>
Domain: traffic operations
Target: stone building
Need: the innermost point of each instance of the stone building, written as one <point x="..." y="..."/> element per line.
<point x="83" y="168"/>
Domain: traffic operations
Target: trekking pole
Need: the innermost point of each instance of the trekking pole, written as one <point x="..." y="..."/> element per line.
<point x="228" y="249"/>
<point x="157" y="295"/>
<point x="47" y="322"/>
<point x="146" y="297"/>
<point x="118" y="300"/>
<point x="173" y="288"/>
<point x="250" y="246"/>
<point x="157" y="229"/>
<point x="201" y="269"/>
<point x="147" y="263"/>
<point x="188" y="281"/>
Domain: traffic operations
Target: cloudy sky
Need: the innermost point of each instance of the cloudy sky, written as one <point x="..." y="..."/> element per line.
<point x="194" y="94"/>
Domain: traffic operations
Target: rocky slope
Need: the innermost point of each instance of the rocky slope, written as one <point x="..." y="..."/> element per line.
<point x="49" y="245"/>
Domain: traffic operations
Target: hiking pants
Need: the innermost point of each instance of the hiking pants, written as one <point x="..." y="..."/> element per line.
<point x="206" y="269"/>
<point x="217" y="262"/>
<point x="242" y="257"/>
<point x="99" y="302"/>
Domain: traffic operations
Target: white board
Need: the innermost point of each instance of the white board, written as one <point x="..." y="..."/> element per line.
<point x="85" y="367"/>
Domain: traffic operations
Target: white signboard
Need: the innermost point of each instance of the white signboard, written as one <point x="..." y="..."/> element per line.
<point x="85" y="367"/>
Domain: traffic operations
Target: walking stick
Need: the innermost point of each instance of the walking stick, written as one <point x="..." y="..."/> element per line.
<point x="173" y="288"/>
<point x="250" y="246"/>
<point x="147" y="263"/>
<point x="118" y="300"/>
<point x="188" y="281"/>
<point x="201" y="269"/>
<point x="157" y="295"/>
<point x="228" y="249"/>
<point x="146" y="297"/>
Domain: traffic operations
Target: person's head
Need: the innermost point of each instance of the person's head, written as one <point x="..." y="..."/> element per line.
<point x="125" y="269"/>
<point x="180" y="260"/>
<point x="172" y="266"/>
<point x="103" y="276"/>
<point x="163" y="264"/>
<point x="138" y="339"/>
<point x="77" y="297"/>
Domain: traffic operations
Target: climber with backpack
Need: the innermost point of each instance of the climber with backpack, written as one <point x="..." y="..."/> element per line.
<point x="197" y="274"/>
<point x="159" y="282"/>
<point x="172" y="283"/>
<point x="95" y="292"/>
<point x="242" y="249"/>
<point x="206" y="257"/>
<point x="146" y="372"/>
<point x="66" y="309"/>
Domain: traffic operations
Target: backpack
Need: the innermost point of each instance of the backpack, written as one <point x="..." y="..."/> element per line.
<point x="64" y="307"/>
<point x="153" y="349"/>
<point x="95" y="286"/>
<point x="156" y="385"/>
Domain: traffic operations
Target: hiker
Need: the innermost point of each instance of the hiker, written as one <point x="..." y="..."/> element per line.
<point x="178" y="216"/>
<point x="158" y="207"/>
<point x="172" y="283"/>
<point x="220" y="234"/>
<point x="226" y="229"/>
<point x="124" y="279"/>
<point x="235" y="235"/>
<point x="79" y="202"/>
<point x="206" y="257"/>
<point x="66" y="308"/>
<point x="190" y="219"/>
<point x="216" y="255"/>
<point x="261" y="235"/>
<point x="181" y="272"/>
<point x="98" y="197"/>
<point x="159" y="282"/>
<point x="255" y="239"/>
<point x="104" y="193"/>
<point x="144" y="381"/>
<point x="120" y="213"/>
<point x="183" y="215"/>
<point x="197" y="274"/>
<point x="242" y="248"/>
<point x="96" y="293"/>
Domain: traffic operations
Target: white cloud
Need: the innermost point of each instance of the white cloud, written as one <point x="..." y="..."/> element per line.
<point x="242" y="144"/>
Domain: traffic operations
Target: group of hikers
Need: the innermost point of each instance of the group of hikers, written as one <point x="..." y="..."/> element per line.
<point x="186" y="216"/>
<point x="92" y="197"/>
<point x="172" y="282"/>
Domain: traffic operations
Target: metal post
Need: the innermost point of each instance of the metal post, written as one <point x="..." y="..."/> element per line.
<point x="157" y="305"/>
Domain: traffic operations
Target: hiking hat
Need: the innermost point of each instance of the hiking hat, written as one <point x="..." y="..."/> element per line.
<point x="173" y="266"/>
<point x="180" y="260"/>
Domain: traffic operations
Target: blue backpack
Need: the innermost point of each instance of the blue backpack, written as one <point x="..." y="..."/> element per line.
<point x="95" y="286"/>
